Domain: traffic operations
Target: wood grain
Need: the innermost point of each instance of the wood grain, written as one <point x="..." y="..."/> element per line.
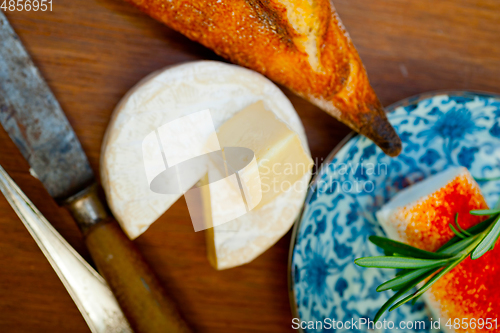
<point x="91" y="52"/>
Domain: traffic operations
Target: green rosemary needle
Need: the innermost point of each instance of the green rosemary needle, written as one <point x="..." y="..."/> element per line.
<point x="418" y="265"/>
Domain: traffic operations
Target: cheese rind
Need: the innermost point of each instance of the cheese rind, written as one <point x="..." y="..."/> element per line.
<point x="242" y="240"/>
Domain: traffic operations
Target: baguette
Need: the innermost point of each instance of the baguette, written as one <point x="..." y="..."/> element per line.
<point x="300" y="44"/>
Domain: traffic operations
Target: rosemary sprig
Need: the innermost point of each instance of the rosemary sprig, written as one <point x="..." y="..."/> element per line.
<point x="418" y="265"/>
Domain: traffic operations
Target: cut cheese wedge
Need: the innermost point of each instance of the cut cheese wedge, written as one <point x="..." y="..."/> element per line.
<point x="281" y="159"/>
<point x="176" y="92"/>
<point x="283" y="169"/>
<point x="420" y="216"/>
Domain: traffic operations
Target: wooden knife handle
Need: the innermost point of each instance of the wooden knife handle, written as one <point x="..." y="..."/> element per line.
<point x="139" y="293"/>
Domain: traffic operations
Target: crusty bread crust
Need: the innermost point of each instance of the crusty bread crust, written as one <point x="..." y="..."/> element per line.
<point x="260" y="35"/>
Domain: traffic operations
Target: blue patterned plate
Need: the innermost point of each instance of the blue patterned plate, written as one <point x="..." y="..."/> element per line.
<point x="438" y="130"/>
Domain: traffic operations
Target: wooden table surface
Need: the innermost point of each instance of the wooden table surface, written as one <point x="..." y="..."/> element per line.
<point x="91" y="52"/>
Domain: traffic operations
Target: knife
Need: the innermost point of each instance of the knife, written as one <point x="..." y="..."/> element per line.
<point x="86" y="287"/>
<point x="36" y="123"/>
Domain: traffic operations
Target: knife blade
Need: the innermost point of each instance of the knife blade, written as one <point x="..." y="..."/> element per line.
<point x="27" y="109"/>
<point x="32" y="117"/>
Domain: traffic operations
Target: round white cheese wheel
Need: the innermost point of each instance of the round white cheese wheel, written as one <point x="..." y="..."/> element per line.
<point x="175" y="92"/>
